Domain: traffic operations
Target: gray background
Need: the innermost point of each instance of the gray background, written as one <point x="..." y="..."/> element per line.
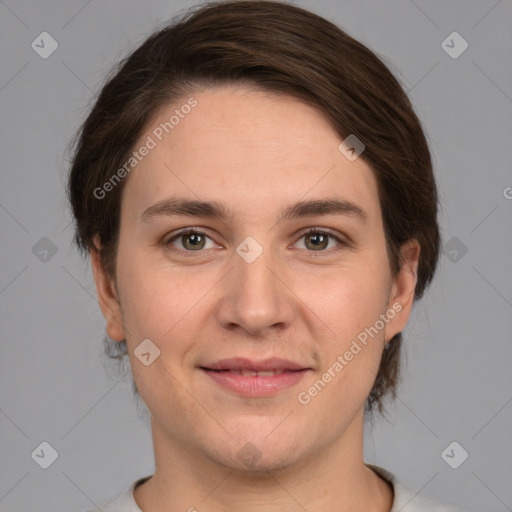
<point x="56" y="387"/>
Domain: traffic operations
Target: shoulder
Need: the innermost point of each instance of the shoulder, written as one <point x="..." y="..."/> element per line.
<point x="405" y="499"/>
<point x="124" y="503"/>
<point x="408" y="500"/>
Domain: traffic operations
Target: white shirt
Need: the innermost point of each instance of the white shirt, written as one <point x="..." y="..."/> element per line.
<point x="405" y="499"/>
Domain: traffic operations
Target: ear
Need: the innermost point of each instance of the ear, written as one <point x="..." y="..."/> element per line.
<point x="401" y="296"/>
<point x="107" y="296"/>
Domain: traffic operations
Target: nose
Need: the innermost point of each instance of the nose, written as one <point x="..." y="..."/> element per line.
<point x="255" y="296"/>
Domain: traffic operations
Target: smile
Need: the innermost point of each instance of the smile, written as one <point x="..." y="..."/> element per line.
<point x="252" y="383"/>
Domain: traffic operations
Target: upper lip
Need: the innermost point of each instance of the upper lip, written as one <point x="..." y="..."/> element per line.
<point x="241" y="363"/>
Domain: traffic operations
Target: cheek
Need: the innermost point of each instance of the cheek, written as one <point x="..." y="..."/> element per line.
<point x="155" y="308"/>
<point x="350" y="299"/>
<point x="161" y="302"/>
<point x="349" y="305"/>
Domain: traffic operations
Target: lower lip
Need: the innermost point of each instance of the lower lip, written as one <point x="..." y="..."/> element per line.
<point x="256" y="386"/>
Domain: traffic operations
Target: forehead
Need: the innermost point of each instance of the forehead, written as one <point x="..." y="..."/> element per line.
<point x="246" y="146"/>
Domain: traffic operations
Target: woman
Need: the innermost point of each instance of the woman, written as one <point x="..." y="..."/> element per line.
<point x="257" y="197"/>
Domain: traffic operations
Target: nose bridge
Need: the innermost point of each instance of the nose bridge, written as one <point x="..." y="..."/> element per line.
<point x="255" y="299"/>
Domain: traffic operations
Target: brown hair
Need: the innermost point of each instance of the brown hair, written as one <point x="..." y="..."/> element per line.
<point x="280" y="48"/>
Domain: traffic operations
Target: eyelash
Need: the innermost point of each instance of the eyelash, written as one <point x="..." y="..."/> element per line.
<point x="323" y="231"/>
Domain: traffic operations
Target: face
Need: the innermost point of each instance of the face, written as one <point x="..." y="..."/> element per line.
<point x="296" y="269"/>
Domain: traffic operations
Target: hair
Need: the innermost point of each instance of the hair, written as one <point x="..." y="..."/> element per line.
<point x="282" y="49"/>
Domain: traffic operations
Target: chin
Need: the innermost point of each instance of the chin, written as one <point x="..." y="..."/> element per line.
<point x="258" y="446"/>
<point x="256" y="459"/>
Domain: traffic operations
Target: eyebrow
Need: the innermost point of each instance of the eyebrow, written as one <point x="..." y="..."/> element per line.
<point x="216" y="210"/>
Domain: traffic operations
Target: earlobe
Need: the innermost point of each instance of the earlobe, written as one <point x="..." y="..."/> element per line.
<point x="403" y="289"/>
<point x="107" y="297"/>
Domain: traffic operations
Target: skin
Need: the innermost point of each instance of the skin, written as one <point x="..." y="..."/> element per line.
<point x="257" y="153"/>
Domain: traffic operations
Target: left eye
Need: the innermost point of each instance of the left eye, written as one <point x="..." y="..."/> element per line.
<point x="318" y="240"/>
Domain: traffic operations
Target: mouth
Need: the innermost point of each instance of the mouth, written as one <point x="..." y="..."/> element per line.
<point x="255" y="378"/>
<point x="253" y="373"/>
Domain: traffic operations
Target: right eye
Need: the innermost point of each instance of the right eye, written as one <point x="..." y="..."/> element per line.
<point x="190" y="240"/>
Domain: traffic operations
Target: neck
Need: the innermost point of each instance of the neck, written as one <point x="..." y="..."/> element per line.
<point x="332" y="479"/>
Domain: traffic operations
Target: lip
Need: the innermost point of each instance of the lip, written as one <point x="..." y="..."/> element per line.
<point x="242" y="363"/>
<point x="227" y="373"/>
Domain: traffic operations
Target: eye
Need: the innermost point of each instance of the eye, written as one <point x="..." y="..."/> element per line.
<point x="318" y="240"/>
<point x="190" y="240"/>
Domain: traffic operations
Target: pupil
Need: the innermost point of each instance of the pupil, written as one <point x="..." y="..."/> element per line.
<point x="193" y="239"/>
<point x="320" y="239"/>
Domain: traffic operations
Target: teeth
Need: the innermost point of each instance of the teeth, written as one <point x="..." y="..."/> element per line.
<point x="253" y="373"/>
<point x="266" y="373"/>
<point x="248" y="373"/>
